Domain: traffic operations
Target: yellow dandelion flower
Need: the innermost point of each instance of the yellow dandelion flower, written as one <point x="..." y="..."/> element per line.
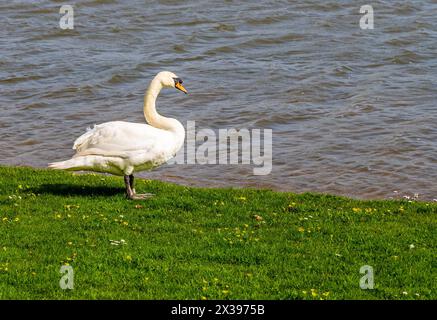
<point x="301" y="229"/>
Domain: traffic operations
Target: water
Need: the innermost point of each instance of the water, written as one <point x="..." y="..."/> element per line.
<point x="353" y="111"/>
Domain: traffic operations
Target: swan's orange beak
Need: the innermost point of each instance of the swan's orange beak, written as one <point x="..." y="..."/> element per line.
<point x="179" y="86"/>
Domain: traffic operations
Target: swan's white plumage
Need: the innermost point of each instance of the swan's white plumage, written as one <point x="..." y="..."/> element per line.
<point x="122" y="148"/>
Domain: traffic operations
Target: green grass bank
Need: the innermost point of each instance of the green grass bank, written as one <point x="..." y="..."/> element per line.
<point x="195" y="243"/>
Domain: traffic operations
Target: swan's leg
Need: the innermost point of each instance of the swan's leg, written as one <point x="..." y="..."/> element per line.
<point x="130" y="190"/>
<point x="131" y="182"/>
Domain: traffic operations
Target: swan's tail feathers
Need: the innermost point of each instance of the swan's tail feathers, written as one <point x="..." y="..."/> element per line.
<point x="72" y="164"/>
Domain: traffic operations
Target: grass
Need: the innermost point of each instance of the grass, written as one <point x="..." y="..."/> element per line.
<point x="194" y="243"/>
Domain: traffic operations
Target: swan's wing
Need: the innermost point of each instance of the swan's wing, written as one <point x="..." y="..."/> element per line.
<point x="120" y="139"/>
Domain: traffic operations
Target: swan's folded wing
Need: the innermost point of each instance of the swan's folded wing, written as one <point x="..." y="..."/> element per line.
<point x="119" y="139"/>
<point x="103" y="152"/>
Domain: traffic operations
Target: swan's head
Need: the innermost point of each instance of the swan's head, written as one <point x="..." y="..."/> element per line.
<point x="170" y="80"/>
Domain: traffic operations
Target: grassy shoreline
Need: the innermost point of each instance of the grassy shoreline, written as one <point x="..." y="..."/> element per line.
<point x="195" y="243"/>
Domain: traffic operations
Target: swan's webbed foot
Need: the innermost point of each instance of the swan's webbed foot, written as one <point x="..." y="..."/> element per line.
<point x="139" y="196"/>
<point x="130" y="190"/>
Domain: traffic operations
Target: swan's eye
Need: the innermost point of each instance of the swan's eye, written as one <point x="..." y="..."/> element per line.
<point x="177" y="80"/>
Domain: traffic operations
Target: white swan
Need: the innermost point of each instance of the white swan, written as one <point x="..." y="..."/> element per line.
<point x="122" y="148"/>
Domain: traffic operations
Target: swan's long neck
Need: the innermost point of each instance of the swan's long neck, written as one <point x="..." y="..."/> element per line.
<point x="153" y="117"/>
<point x="150" y="113"/>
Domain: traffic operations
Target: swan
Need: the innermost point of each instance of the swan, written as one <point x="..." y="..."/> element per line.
<point x="122" y="148"/>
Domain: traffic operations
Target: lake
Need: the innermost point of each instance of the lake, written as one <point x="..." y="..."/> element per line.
<point x="353" y="111"/>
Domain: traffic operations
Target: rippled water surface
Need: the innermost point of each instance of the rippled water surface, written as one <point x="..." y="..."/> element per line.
<point x="353" y="111"/>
